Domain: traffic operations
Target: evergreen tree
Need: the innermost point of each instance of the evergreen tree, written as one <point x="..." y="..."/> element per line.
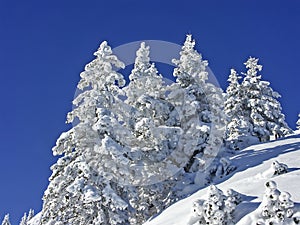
<point x="238" y="126"/>
<point x="156" y="134"/>
<point x="298" y="122"/>
<point x="24" y="220"/>
<point x="144" y="78"/>
<point x="80" y="189"/>
<point x="233" y="96"/>
<point x="261" y="105"/>
<point x="199" y="105"/>
<point x="252" y="108"/>
<point x="6" y="220"/>
<point x="30" y="214"/>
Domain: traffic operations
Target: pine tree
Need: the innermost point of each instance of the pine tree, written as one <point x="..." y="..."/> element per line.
<point x="233" y="102"/>
<point x="144" y="78"/>
<point x="261" y="104"/>
<point x="6" y="220"/>
<point x="298" y="122"/>
<point x="156" y="134"/>
<point x="24" y="220"/>
<point x="199" y="105"/>
<point x="81" y="190"/>
<point x="252" y="108"/>
<point x="238" y="126"/>
<point x="30" y="214"/>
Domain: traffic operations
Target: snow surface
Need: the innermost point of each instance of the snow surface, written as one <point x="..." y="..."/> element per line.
<point x="253" y="170"/>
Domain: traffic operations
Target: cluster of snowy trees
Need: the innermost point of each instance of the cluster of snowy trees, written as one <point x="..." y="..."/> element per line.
<point x="128" y="153"/>
<point x="219" y="208"/>
<point x="24" y="219"/>
<point x="134" y="147"/>
<point x="252" y="108"/>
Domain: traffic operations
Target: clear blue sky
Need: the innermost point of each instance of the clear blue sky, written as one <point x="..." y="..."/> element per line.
<point x="44" y="45"/>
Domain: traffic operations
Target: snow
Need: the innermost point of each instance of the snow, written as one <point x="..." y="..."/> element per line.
<point x="253" y="171"/>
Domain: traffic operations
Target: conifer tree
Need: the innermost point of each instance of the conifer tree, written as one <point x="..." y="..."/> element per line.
<point x="261" y="105"/>
<point x="6" y="220"/>
<point x="30" y="214"/>
<point x="252" y="108"/>
<point x="80" y="189"/>
<point x="238" y="126"/>
<point x="199" y="105"/>
<point x="156" y="133"/>
<point x="298" y="122"/>
<point x="24" y="220"/>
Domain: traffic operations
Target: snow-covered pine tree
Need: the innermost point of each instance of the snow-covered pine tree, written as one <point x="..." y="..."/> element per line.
<point x="262" y="106"/>
<point x="6" y="220"/>
<point x="233" y="104"/>
<point x="156" y="134"/>
<point x="24" y="220"/>
<point x="199" y="105"/>
<point x="144" y="78"/>
<point x="30" y="214"/>
<point x="238" y="126"/>
<point x="298" y="122"/>
<point x="81" y="190"/>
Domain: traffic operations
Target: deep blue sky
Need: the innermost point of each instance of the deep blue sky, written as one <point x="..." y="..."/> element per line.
<point x="44" y="47"/>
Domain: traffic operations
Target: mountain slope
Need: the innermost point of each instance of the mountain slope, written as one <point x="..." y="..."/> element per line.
<point x="253" y="170"/>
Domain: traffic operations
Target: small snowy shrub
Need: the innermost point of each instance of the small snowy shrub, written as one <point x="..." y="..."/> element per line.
<point x="279" y="168"/>
<point x="221" y="168"/>
<point x="276" y="207"/>
<point x="217" y="209"/>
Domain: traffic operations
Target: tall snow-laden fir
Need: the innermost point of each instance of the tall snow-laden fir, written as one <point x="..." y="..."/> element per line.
<point x="298" y="122"/>
<point x="257" y="112"/>
<point x="80" y="191"/>
<point x="156" y="132"/>
<point x="199" y="105"/>
<point x="238" y="125"/>
<point x="262" y="106"/>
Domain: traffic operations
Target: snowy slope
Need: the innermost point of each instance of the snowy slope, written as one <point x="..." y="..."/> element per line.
<point x="253" y="171"/>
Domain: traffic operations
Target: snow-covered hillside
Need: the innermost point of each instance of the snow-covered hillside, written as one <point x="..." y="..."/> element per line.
<point x="254" y="170"/>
